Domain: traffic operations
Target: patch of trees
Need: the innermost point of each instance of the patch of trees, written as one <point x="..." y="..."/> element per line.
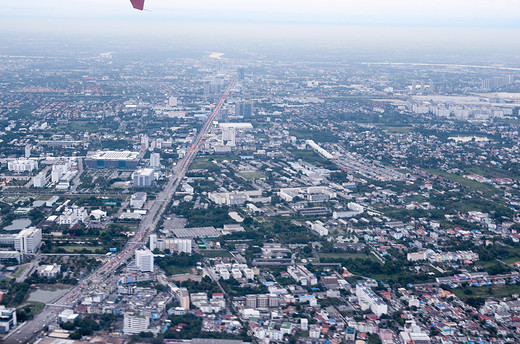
<point x="181" y="260"/>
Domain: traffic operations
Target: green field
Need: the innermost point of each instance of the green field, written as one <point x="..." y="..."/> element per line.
<point x="19" y="271"/>
<point x="202" y="164"/>
<point x="463" y="181"/>
<point x="252" y="175"/>
<point x="392" y="129"/>
<point x="488" y="291"/>
<point x="216" y="253"/>
<point x="345" y="256"/>
<point x="77" y="249"/>
<point x="177" y="270"/>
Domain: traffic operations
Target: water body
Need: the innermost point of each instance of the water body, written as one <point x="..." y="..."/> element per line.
<point x="18" y="225"/>
<point x="47" y="293"/>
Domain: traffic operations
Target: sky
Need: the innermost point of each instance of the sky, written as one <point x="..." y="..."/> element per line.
<point x="490" y="24"/>
<point x="467" y="13"/>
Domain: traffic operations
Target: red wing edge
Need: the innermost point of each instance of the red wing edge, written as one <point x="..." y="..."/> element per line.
<point x="138" y="4"/>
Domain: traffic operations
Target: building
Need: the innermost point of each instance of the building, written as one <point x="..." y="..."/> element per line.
<point x="39" y="180"/>
<point x="138" y="200"/>
<point x="153" y="242"/>
<point x="173" y="101"/>
<point x="62" y="171"/>
<point x="184" y="298"/>
<point x="368" y="299"/>
<point x="143" y="178"/>
<point x="49" y="271"/>
<point x="7" y="319"/>
<point x="414" y="337"/>
<point x="155" y="160"/>
<point x="124" y="160"/>
<point x="67" y="315"/>
<point x="241" y="74"/>
<point x="73" y="215"/>
<point x="144" y="259"/>
<point x="301" y="274"/>
<point x="27" y="151"/>
<point x="22" y="165"/>
<point x="244" y="109"/>
<point x="28" y="241"/>
<point x="135" y="323"/>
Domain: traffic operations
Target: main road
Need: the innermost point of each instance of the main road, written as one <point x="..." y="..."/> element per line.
<point x="149" y="222"/>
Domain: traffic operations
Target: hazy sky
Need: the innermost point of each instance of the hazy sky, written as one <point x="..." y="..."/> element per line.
<point x="466" y="13"/>
<point x="492" y="23"/>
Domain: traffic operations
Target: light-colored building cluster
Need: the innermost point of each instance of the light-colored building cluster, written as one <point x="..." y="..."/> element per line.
<point x="172" y="244"/>
<point x="27" y="241"/>
<point x="73" y="215"/>
<point x="442" y="257"/>
<point x="369" y="300"/>
<point x="310" y="194"/>
<point x="302" y="275"/>
<point x="238" y="197"/>
<point x="213" y="305"/>
<point x="144" y="259"/>
<point x="237" y="271"/>
<point x="22" y="165"/>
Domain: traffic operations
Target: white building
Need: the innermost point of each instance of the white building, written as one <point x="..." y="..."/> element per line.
<point x="49" y="271"/>
<point x="67" y="315"/>
<point x="319" y="228"/>
<point x="368" y="299"/>
<point x="22" y="165"/>
<point x="62" y="171"/>
<point x="174" y="245"/>
<point x="155" y="160"/>
<point x="173" y="101"/>
<point x="28" y="240"/>
<point x="7" y="319"/>
<point x="144" y="259"/>
<point x="98" y="214"/>
<point x="143" y="178"/>
<point x="138" y="200"/>
<point x="135" y="323"/>
<point x="73" y="215"/>
<point x="301" y="274"/>
<point x="39" y="180"/>
<point x="153" y="242"/>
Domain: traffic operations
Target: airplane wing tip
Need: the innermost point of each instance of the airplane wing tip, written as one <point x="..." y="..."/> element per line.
<point x="138" y="4"/>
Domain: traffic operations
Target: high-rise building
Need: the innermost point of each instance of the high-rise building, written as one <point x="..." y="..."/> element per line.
<point x="143" y="178"/>
<point x="39" y="180"/>
<point x="144" y="259"/>
<point x="153" y="242"/>
<point x="241" y="74"/>
<point x="7" y="319"/>
<point x="27" y="151"/>
<point x="145" y="143"/>
<point x="229" y="136"/>
<point x="244" y="109"/>
<point x="28" y="240"/>
<point x="22" y="165"/>
<point x="262" y="301"/>
<point x="251" y="301"/>
<point x="274" y="301"/>
<point x="414" y="86"/>
<point x="172" y="101"/>
<point x="155" y="160"/>
<point x="135" y="323"/>
<point x="184" y="298"/>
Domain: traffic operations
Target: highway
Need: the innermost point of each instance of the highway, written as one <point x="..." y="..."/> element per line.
<point x="148" y="223"/>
